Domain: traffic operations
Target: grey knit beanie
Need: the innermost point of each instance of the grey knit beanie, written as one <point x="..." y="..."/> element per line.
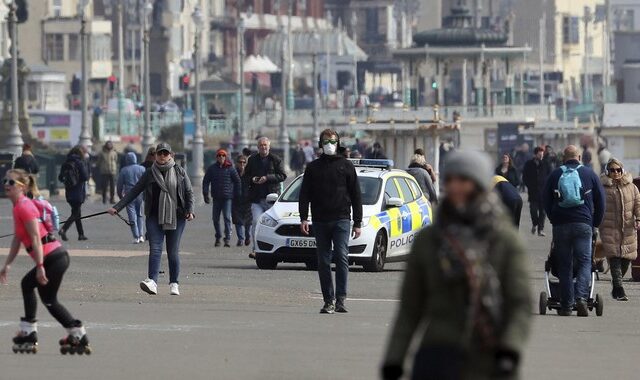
<point x="476" y="166"/>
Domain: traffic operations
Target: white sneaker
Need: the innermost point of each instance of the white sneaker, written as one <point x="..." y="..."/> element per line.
<point x="141" y="239"/>
<point x="174" y="289"/>
<point x="136" y="241"/>
<point x="149" y="286"/>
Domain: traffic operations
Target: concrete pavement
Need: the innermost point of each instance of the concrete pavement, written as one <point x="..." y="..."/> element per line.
<point x="236" y="322"/>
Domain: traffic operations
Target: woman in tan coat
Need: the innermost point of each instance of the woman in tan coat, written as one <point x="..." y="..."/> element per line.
<point x="621" y="221"/>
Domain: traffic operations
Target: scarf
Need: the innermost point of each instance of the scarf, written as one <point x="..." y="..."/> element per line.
<point x="166" y="178"/>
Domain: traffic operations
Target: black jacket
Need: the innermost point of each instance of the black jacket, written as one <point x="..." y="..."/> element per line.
<point x="534" y="176"/>
<point x="511" y="175"/>
<point x="27" y="163"/>
<point x="76" y="194"/>
<point x="145" y="184"/>
<point x="331" y="185"/>
<point x="511" y="199"/>
<point x="274" y="172"/>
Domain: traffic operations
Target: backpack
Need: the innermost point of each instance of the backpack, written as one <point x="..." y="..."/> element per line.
<point x="570" y="189"/>
<point x="49" y="215"/>
<point x="69" y="174"/>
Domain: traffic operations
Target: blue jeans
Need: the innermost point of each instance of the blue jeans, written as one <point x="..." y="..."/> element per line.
<point x="337" y="233"/>
<point x="134" y="211"/>
<point x="572" y="243"/>
<point x="257" y="209"/>
<point x="222" y="206"/>
<point x="243" y="231"/>
<point x="156" y="239"/>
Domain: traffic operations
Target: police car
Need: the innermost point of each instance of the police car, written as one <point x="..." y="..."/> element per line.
<point x="394" y="210"/>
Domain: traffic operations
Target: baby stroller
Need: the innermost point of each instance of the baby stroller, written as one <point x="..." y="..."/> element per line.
<point x="550" y="299"/>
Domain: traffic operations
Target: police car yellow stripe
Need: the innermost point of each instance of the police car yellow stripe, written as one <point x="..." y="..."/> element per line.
<point x="395" y="182"/>
<point x="395" y="223"/>
<point x="416" y="216"/>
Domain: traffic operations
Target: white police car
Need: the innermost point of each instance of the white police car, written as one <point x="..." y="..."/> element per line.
<point x="394" y="210"/>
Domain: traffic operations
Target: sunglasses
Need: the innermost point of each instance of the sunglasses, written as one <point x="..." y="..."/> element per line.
<point x="11" y="182"/>
<point x="333" y="142"/>
<point x="163" y="153"/>
<point x="615" y="170"/>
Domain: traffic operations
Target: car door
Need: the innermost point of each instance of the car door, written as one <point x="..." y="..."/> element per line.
<point x="407" y="217"/>
<point x="391" y="216"/>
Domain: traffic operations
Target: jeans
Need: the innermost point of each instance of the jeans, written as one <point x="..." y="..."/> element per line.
<point x="108" y="181"/>
<point x="337" y="233"/>
<point x="257" y="209"/>
<point x="222" y="206"/>
<point x="55" y="265"/>
<point x="76" y="214"/>
<point x="156" y="239"/>
<point x="572" y="243"/>
<point x="619" y="268"/>
<point x="134" y="211"/>
<point x="537" y="214"/>
<point x="243" y="231"/>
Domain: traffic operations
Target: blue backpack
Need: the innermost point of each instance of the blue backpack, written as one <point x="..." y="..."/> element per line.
<point x="570" y="187"/>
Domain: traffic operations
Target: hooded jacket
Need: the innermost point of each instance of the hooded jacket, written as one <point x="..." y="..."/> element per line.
<point x="130" y="174"/>
<point x="423" y="178"/>
<point x="221" y="181"/>
<point x="108" y="161"/>
<point x="76" y="194"/>
<point x="618" y="229"/>
<point x="27" y="162"/>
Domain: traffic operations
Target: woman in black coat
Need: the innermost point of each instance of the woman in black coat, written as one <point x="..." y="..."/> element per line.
<point x="74" y="175"/>
<point x="508" y="171"/>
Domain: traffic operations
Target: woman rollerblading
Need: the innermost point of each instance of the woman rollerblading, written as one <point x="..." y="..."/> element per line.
<point x="35" y="232"/>
<point x="76" y="342"/>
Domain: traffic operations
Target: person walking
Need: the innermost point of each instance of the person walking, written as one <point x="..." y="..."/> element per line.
<point x="223" y="183"/>
<point x="168" y="204"/>
<point x="621" y="222"/>
<point x="108" y="168"/>
<point x="508" y="171"/>
<point x="298" y="160"/>
<point x="466" y="282"/>
<point x="127" y="179"/>
<point x="241" y="206"/>
<point x="74" y="175"/>
<point x="27" y="161"/>
<point x="417" y="170"/>
<point x="375" y="152"/>
<point x="51" y="262"/>
<point x="330" y="185"/>
<point x="574" y="199"/>
<point x="265" y="173"/>
<point x="534" y="176"/>
<point x="427" y="167"/>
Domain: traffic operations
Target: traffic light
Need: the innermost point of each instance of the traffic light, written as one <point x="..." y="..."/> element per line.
<point x="112" y="82"/>
<point x="22" y="13"/>
<point x="434" y="84"/>
<point x="184" y="82"/>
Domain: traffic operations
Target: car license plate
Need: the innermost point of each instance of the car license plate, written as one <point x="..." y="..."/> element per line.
<point x="301" y="243"/>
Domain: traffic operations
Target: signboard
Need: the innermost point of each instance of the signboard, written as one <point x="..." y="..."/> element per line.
<point x="58" y="128"/>
<point x="509" y="137"/>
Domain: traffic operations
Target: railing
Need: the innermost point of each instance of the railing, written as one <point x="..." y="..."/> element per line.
<point x="134" y="124"/>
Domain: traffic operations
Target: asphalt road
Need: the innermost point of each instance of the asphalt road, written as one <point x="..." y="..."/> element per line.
<point x="233" y="321"/>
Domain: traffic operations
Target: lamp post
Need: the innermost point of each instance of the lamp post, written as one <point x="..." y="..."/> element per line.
<point x="14" y="141"/>
<point x="85" y="134"/>
<point x="242" y="132"/>
<point x="147" y="136"/>
<point x="314" y="83"/>
<point x="120" y="68"/>
<point x="197" y="144"/>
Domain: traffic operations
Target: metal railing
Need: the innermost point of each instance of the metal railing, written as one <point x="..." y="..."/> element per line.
<point x="134" y="124"/>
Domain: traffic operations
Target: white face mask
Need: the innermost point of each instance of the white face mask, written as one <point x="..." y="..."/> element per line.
<point x="330" y="149"/>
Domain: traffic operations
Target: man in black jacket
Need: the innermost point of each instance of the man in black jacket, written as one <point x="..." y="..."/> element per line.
<point x="330" y="185"/>
<point x="534" y="176"/>
<point x="27" y="161"/>
<point x="264" y="173"/>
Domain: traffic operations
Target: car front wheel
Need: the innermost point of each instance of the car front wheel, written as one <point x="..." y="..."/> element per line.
<point x="379" y="254"/>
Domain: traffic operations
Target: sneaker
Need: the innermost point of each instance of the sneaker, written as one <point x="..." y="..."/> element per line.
<point x="328" y="308"/>
<point x="174" y="289"/>
<point x="340" y="307"/>
<point x="565" y="312"/>
<point x="619" y="294"/>
<point x="226" y="244"/>
<point x="533" y="230"/>
<point x="541" y="233"/>
<point x="217" y="244"/>
<point x="149" y="286"/>
<point x="82" y="238"/>
<point x="240" y="243"/>
<point x="581" y="307"/>
<point x="252" y="255"/>
<point x="63" y="235"/>
<point x="247" y="242"/>
<point x="135" y="241"/>
<point x="141" y="239"/>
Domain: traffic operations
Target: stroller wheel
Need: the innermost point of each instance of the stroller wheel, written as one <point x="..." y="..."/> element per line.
<point x="544" y="301"/>
<point x="599" y="305"/>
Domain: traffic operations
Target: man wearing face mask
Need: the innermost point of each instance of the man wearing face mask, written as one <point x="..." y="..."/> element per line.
<point x="330" y="185"/>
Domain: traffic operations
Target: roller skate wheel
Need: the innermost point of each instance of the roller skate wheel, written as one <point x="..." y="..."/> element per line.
<point x="63" y="350"/>
<point x="15" y="350"/>
<point x="88" y="350"/>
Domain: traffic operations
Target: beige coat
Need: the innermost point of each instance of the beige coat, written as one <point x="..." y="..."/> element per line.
<point x="618" y="231"/>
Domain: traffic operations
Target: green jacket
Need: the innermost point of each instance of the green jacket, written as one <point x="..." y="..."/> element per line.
<point x="441" y="304"/>
<point x="108" y="162"/>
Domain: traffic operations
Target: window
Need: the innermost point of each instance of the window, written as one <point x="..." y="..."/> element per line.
<point x="100" y="47"/>
<point x="391" y="190"/>
<point x="56" y="8"/>
<point x="415" y="189"/>
<point x="571" y="30"/>
<point x="54" y="44"/>
<point x="407" y="195"/>
<point x="74" y="47"/>
<point x="372" y="27"/>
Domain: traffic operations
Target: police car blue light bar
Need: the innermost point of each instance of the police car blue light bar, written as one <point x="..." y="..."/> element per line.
<point x="371" y="163"/>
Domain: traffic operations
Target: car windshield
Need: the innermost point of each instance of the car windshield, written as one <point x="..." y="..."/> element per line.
<point x="369" y="187"/>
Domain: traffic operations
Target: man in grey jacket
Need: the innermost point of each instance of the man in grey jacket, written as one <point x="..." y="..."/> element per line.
<point x="421" y="175"/>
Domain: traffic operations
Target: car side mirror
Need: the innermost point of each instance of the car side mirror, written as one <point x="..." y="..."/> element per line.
<point x="272" y="198"/>
<point x="394" y="202"/>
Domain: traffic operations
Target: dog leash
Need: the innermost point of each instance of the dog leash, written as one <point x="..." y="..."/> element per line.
<point x="81" y="218"/>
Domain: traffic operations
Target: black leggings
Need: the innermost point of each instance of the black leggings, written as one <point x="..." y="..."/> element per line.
<point x="76" y="214"/>
<point x="55" y="264"/>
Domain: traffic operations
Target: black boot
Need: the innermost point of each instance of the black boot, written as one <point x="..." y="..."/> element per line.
<point x="63" y="235"/>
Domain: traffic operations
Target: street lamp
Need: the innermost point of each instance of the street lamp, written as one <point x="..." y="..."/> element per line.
<point x="242" y="132"/>
<point x="14" y="141"/>
<point x="147" y="136"/>
<point x="314" y="83"/>
<point x="197" y="145"/>
<point x="85" y="134"/>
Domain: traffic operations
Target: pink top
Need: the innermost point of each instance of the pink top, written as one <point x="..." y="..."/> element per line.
<point x="24" y="211"/>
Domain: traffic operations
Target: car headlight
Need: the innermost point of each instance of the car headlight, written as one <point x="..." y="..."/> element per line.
<point x="268" y="221"/>
<point x="365" y="221"/>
